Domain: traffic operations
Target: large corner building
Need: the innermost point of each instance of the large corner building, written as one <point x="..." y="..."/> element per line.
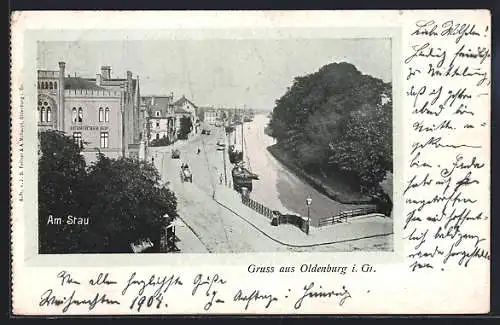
<point x="102" y="114"/>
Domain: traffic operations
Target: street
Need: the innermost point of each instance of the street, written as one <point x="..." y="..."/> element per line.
<point x="218" y="228"/>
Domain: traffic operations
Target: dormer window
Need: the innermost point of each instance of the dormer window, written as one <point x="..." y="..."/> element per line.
<point x="157" y="113"/>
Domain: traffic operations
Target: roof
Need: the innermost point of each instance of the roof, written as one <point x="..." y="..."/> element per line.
<point x="183" y="99"/>
<point x="80" y="83"/>
<point x="179" y="110"/>
<point x="161" y="103"/>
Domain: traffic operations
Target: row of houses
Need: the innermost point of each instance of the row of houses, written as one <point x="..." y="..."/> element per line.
<point x="216" y="116"/>
<point x="107" y="114"/>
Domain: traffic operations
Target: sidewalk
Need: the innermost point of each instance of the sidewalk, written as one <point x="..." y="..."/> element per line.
<point x="362" y="227"/>
<point x="189" y="242"/>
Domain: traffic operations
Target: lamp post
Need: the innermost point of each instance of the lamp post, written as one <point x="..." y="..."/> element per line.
<point x="308" y="203"/>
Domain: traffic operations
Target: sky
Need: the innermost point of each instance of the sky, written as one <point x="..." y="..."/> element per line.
<point x="229" y="73"/>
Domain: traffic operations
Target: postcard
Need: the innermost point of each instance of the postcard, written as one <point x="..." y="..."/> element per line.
<point x="250" y="162"/>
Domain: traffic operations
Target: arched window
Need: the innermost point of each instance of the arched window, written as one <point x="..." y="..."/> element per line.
<point x="45" y="85"/>
<point x="157" y="136"/>
<point x="73" y="114"/>
<point x="80" y="114"/>
<point x="101" y="114"/>
<point x="55" y="84"/>
<point x="106" y="115"/>
<point x="51" y="85"/>
<point x="44" y="111"/>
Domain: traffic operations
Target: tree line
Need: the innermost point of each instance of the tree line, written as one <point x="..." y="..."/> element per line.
<point x="123" y="199"/>
<point x="338" y="121"/>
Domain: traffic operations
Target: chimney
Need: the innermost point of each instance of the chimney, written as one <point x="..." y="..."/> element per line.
<point x="62" y="66"/>
<point x="106" y="72"/>
<point x="98" y="79"/>
<point x="152" y="100"/>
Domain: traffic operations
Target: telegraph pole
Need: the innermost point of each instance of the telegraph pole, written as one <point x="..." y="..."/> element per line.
<point x="224" y="158"/>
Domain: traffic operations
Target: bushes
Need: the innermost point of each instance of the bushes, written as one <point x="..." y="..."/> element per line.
<point x="164" y="141"/>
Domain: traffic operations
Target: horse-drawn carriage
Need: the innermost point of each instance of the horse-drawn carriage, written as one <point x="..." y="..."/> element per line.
<point x="185" y="174"/>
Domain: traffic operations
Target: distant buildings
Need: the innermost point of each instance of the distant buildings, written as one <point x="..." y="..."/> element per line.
<point x="101" y="114"/>
<point x="209" y="115"/>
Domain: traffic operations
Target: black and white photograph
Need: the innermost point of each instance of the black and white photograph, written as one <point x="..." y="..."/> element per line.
<point x="256" y="162"/>
<point x="215" y="146"/>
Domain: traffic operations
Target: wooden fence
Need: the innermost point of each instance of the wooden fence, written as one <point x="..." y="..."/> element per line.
<point x="342" y="217"/>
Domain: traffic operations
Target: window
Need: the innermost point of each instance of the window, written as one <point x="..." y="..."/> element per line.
<point x="73" y="115"/>
<point x="39" y="85"/>
<point x="104" y="139"/>
<point x="51" y="85"/>
<point x="55" y="85"/>
<point x="49" y="114"/>
<point x="157" y="136"/>
<point x="101" y="114"/>
<point x="158" y="125"/>
<point x="42" y="115"/>
<point x="157" y="113"/>
<point x="77" y="137"/>
<point x="80" y="114"/>
<point x="106" y="114"/>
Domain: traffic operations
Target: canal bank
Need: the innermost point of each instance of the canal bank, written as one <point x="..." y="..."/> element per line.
<point x="314" y="181"/>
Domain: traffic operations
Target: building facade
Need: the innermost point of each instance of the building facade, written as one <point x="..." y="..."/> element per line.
<point x="161" y="119"/>
<point x="102" y="114"/>
<point x="184" y="107"/>
<point x="210" y="116"/>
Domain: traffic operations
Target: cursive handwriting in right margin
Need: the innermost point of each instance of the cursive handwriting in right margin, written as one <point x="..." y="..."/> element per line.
<point x="446" y="190"/>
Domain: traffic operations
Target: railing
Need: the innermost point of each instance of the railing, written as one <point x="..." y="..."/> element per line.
<point x="276" y="216"/>
<point x="342" y="217"/>
<point x="256" y="206"/>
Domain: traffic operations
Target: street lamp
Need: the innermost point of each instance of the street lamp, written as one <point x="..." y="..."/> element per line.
<point x="308" y="203"/>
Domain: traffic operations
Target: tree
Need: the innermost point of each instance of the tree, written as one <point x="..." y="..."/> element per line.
<point x="127" y="204"/>
<point x="61" y="169"/>
<point x="123" y="198"/>
<point x="334" y="120"/>
<point x="186" y="126"/>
